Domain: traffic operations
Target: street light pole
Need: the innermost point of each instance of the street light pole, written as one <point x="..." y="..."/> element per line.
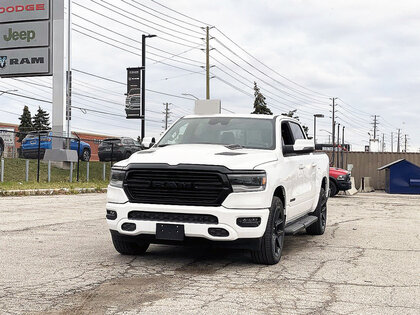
<point x="143" y="83"/>
<point x="315" y="117"/>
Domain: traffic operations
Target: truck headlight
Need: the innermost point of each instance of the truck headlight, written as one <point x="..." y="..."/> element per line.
<point x="341" y="177"/>
<point x="248" y="182"/>
<point x="117" y="178"/>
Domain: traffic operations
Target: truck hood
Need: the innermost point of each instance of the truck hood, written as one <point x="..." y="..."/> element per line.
<point x="203" y="154"/>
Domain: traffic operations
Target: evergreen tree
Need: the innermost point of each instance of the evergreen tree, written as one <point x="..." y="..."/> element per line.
<point x="25" y="125"/>
<point x="292" y="114"/>
<point x="260" y="106"/>
<point x="41" y="121"/>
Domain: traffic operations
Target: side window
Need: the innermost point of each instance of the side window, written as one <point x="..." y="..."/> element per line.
<point x="296" y="131"/>
<point x="130" y="141"/>
<point x="286" y="134"/>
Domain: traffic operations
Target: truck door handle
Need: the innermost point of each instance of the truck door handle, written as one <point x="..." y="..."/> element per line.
<point x="301" y="166"/>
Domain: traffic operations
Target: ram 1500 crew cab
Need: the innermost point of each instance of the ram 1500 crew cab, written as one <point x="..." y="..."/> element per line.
<point x="234" y="180"/>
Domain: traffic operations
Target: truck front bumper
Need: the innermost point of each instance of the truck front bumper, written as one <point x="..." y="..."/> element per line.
<point x="226" y="219"/>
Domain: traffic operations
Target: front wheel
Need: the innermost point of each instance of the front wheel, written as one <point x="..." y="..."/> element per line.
<point x="272" y="241"/>
<point x="333" y="189"/>
<point x="127" y="247"/>
<point x="318" y="228"/>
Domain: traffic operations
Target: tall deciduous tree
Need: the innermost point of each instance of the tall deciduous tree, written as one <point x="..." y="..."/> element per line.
<point x="260" y="106"/>
<point x="25" y="125"/>
<point x="41" y="120"/>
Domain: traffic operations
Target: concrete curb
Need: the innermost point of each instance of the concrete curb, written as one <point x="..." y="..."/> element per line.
<point x="58" y="191"/>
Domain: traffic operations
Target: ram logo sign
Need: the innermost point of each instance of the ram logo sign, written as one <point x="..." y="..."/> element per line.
<point x="3" y="61"/>
<point x="17" y="62"/>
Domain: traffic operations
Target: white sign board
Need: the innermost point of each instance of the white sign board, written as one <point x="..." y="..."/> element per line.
<point x="8" y="137"/>
<point x="24" y="10"/>
<point x="24" y="61"/>
<point x="25" y="38"/>
<point x="27" y="34"/>
<point x="207" y="107"/>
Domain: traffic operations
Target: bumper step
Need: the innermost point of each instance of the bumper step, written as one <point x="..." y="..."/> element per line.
<point x="300" y="224"/>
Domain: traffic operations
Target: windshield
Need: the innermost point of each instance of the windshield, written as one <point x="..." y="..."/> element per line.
<point x="247" y="132"/>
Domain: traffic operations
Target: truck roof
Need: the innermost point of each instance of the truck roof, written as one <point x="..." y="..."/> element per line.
<point x="255" y="116"/>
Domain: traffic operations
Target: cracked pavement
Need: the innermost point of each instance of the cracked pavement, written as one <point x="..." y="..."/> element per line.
<point x="57" y="258"/>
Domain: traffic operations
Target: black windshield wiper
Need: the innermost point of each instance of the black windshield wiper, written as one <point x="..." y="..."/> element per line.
<point x="234" y="146"/>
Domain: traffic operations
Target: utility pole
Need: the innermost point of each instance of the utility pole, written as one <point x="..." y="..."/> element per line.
<point x="167" y="114"/>
<point x="342" y="149"/>
<point x="375" y="126"/>
<point x="398" y="141"/>
<point x="333" y="129"/>
<point x="392" y="142"/>
<point x="338" y="145"/>
<point x="383" y="142"/>
<point x="143" y="84"/>
<point x="207" y="63"/>
<point x="405" y="143"/>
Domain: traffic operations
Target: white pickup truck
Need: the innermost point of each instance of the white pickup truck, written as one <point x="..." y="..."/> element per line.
<point x="232" y="180"/>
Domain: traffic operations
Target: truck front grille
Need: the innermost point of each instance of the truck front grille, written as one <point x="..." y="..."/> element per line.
<point x="176" y="187"/>
<point x="173" y="217"/>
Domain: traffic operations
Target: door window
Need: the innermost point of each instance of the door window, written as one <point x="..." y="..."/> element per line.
<point x="296" y="131"/>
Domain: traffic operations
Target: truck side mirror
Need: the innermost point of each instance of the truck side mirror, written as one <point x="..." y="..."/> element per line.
<point x="304" y="146"/>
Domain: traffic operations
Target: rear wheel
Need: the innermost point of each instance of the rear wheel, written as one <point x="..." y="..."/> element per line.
<point x="85" y="155"/>
<point x="127" y="247"/>
<point x="333" y="189"/>
<point x="272" y="241"/>
<point x="1" y="149"/>
<point x="318" y="228"/>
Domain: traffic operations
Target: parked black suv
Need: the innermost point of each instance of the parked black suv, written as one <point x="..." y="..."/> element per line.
<point x="120" y="148"/>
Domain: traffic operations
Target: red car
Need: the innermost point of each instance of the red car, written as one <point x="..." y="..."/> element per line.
<point x="339" y="180"/>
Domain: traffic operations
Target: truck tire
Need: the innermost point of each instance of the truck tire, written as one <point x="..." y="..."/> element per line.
<point x="85" y="155"/>
<point x="271" y="244"/>
<point x="333" y="189"/>
<point x="1" y="149"/>
<point x="318" y="228"/>
<point x="126" y="247"/>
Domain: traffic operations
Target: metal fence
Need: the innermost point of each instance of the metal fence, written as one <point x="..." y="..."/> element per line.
<point x="20" y="163"/>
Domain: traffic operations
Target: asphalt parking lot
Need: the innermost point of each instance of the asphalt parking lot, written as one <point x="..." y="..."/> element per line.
<point x="57" y="258"/>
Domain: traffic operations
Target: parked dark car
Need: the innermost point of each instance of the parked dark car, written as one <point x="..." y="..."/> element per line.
<point x="1" y="146"/>
<point x="119" y="148"/>
<point x="29" y="146"/>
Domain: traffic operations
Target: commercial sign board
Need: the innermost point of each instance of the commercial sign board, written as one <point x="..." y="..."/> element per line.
<point x="26" y="34"/>
<point x="25" y="38"/>
<point x="24" y="10"/>
<point x="133" y="79"/>
<point x="24" y="61"/>
<point x="8" y="136"/>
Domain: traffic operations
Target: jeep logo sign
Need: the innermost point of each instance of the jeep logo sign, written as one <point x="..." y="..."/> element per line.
<point x="23" y="61"/>
<point x="27" y="34"/>
<point x="24" y="10"/>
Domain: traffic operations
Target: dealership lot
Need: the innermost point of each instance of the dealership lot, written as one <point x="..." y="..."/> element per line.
<point x="57" y="257"/>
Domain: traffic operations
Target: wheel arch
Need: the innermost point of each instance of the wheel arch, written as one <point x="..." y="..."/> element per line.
<point x="281" y="193"/>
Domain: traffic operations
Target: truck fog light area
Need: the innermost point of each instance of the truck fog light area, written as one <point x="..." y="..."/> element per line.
<point x="248" y="222"/>
<point x="218" y="232"/>
<point x="117" y="178"/>
<point x="130" y="227"/>
<point x="248" y="182"/>
<point x="111" y="214"/>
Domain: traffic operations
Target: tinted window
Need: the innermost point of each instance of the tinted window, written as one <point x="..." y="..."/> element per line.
<point x="296" y="131"/>
<point x="286" y="134"/>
